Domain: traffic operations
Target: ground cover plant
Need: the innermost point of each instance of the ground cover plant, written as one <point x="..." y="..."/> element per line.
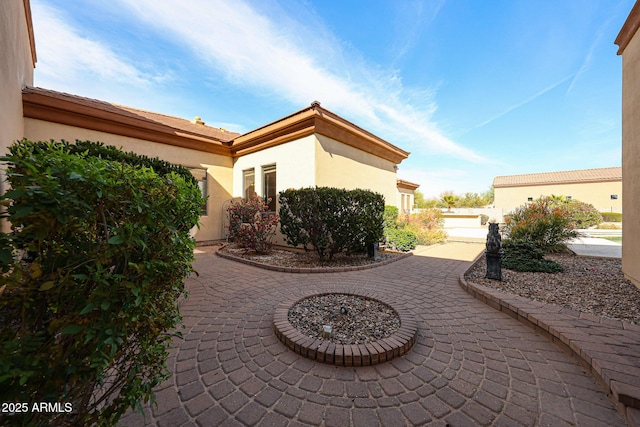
<point x="331" y="220"/>
<point x="94" y="265"/>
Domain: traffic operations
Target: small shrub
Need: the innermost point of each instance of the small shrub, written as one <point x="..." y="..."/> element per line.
<point x="544" y="223"/>
<point x="251" y="225"/>
<point x="484" y="219"/>
<point x="331" y="220"/>
<point x="402" y="240"/>
<point x="525" y="256"/>
<point x="611" y="216"/>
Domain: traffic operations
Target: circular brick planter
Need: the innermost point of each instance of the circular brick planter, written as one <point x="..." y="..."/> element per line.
<point x="384" y="350"/>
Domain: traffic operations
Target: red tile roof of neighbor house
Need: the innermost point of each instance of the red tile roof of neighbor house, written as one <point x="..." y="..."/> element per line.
<point x="562" y="177"/>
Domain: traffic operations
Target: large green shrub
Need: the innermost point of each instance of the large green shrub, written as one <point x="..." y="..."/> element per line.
<point x="89" y="303"/>
<point x="331" y="220"/>
<point x="544" y="223"/>
<point x="524" y="256"/>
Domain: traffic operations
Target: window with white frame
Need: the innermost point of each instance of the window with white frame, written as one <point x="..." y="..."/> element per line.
<point x="249" y="184"/>
<point x="201" y="176"/>
<point x="269" y="186"/>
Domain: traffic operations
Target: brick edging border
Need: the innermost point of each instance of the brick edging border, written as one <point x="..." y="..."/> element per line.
<point x="308" y="270"/>
<point x="626" y="397"/>
<point x="384" y="350"/>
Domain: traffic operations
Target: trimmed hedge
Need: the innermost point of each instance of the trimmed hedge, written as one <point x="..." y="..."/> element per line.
<point x="101" y="249"/>
<point x="611" y="216"/>
<point x="331" y="220"/>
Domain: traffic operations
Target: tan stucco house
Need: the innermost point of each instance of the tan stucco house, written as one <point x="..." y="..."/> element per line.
<point x="311" y="147"/>
<point x="628" y="42"/>
<point x="600" y="187"/>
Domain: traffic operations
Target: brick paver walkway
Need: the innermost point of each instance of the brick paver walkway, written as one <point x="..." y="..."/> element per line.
<point x="471" y="365"/>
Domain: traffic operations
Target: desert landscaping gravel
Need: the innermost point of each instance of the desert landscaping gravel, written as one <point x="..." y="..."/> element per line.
<point x="590" y="285"/>
<point x="354" y="319"/>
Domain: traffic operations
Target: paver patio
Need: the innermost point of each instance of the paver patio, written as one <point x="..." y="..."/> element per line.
<point x="471" y="365"/>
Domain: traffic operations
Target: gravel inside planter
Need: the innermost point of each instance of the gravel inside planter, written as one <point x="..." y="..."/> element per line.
<point x="366" y="320"/>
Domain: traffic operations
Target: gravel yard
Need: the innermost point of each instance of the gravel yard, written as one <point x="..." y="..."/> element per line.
<point x="589" y="285"/>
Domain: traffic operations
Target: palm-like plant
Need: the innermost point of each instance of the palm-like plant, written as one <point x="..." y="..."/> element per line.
<point x="449" y="200"/>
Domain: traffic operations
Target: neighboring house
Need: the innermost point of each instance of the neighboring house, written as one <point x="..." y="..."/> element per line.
<point x="311" y="147"/>
<point x="600" y="187"/>
<point x="628" y="42"/>
<point x="406" y="196"/>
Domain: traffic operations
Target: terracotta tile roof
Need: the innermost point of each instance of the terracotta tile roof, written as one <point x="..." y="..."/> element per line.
<point x="562" y="177"/>
<point x="176" y="123"/>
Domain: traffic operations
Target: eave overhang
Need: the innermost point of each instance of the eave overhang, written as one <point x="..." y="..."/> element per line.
<point x="407" y="185"/>
<point x="316" y="120"/>
<point x="629" y="28"/>
<point x="43" y="106"/>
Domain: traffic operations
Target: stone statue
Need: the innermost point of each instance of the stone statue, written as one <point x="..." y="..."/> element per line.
<point x="494" y="252"/>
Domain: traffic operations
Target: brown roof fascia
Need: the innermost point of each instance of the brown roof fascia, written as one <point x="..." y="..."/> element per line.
<point x="629" y="28"/>
<point x="407" y="185"/>
<point x="316" y="119"/>
<point x="42" y="106"/>
<point x="295" y="126"/>
<point x="32" y="39"/>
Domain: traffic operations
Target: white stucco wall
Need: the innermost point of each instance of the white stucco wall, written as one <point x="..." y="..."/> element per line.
<point x="295" y="166"/>
<point x="596" y="193"/>
<point x="631" y="159"/>
<point x="16" y="72"/>
<point x="339" y="165"/>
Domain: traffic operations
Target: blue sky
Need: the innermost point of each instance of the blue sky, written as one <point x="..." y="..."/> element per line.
<point x="473" y="89"/>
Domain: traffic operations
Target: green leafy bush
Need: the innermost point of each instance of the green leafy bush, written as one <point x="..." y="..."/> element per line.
<point x="544" y="223"/>
<point x="525" y="256"/>
<point x="89" y="303"/>
<point x="583" y="215"/>
<point x="331" y="220"/>
<point x="251" y="225"/>
<point x="390" y="217"/>
<point x="611" y="216"/>
<point x="402" y="240"/>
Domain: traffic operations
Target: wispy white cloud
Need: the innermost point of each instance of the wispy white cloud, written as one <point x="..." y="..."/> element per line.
<point x="524" y="102"/>
<point x="66" y="56"/>
<point x="410" y="20"/>
<point x="253" y="50"/>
